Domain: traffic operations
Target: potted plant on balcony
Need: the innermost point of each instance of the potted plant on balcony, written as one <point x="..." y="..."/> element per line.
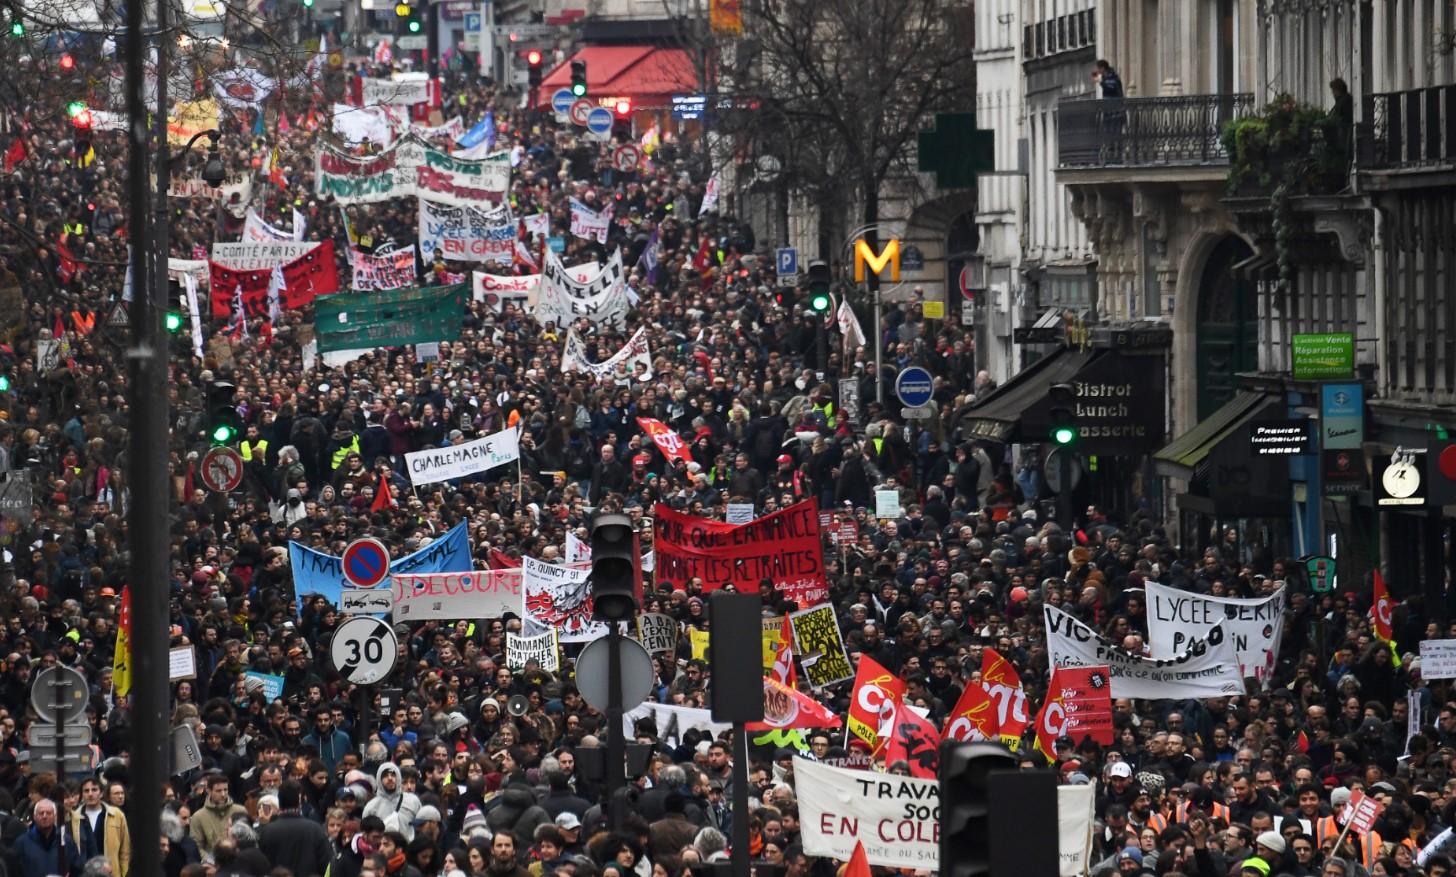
<point x="1286" y="150"/>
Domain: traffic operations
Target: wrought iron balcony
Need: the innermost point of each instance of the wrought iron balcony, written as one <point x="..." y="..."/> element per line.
<point x="1147" y="132"/>
<point x="1410" y="129"/>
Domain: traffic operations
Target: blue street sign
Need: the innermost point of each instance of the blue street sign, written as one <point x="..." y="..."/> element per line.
<point x="562" y="100"/>
<point x="599" y="121"/>
<point x="365" y="562"/>
<point x="472" y="22"/>
<point x="914" y="386"/>
<point x="787" y="259"/>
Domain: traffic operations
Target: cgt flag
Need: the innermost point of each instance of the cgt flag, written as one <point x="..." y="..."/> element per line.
<point x="667" y="440"/>
<point x="784" y="707"/>
<point x="974" y="716"/>
<point x="874" y="687"/>
<point x="1380" y="610"/>
<point x="913" y="740"/>
<point x="1003" y="683"/>
<point x="1051" y="721"/>
<point x="121" y="662"/>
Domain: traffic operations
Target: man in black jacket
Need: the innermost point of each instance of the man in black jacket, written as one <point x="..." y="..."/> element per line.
<point x="294" y="841"/>
<point x="607" y="475"/>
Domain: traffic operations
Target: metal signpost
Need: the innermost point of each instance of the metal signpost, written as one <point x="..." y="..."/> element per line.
<point x="364" y="651"/>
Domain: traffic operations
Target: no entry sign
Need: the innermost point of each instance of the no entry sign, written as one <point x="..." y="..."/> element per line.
<point x="366" y="562"/>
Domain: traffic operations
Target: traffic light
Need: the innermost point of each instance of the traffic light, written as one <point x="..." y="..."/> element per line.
<point x="623" y="107"/>
<point x="17" y="28"/>
<point x="173" y="322"/>
<point x="4" y="383"/>
<point x="1063" y="399"/>
<point x="819" y="278"/>
<point x="414" y="25"/>
<point x="222" y="423"/>
<point x="402" y="10"/>
<point x="533" y="67"/>
<point x="614" y="567"/>
<point x="67" y="62"/>
<point x="578" y="78"/>
<point x="965" y="805"/>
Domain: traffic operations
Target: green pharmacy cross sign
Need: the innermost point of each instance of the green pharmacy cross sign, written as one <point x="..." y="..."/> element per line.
<point x="956" y="151"/>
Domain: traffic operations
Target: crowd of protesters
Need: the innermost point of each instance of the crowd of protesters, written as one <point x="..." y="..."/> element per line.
<point x="449" y="781"/>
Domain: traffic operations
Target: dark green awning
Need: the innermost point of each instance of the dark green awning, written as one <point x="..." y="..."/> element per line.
<point x="998" y="417"/>
<point x="1181" y="457"/>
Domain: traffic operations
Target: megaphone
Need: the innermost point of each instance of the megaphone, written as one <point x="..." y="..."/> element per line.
<point x="518" y="705"/>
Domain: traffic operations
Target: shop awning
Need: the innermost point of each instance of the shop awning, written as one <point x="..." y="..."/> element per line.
<point x="648" y="75"/>
<point x="999" y="417"/>
<point x="1181" y="457"/>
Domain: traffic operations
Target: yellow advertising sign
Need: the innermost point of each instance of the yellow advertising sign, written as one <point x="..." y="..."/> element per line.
<point x="933" y="310"/>
<point x="189" y="118"/>
<point x="889" y="256"/>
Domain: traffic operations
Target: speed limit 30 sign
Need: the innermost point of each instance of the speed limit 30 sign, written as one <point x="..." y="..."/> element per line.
<point x="364" y="650"/>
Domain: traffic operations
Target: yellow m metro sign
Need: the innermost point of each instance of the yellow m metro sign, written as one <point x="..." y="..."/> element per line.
<point x="890" y="256"/>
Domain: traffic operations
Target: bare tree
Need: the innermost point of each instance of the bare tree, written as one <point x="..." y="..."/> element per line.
<point x="848" y="84"/>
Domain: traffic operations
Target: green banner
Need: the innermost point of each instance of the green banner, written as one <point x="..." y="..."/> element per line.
<point x="368" y="320"/>
<point x="1324" y="356"/>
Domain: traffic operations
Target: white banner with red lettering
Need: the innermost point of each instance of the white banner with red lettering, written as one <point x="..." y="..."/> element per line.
<point x="897" y="818"/>
<point x="634" y="359"/>
<point x="589" y="223"/>
<point x="452" y="596"/>
<point x="496" y="290"/>
<point x="394" y="270"/>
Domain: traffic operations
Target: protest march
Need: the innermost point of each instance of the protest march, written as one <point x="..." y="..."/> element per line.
<point x="445" y="321"/>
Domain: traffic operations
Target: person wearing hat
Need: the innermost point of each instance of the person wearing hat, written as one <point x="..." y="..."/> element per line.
<point x="1270" y="847"/>
<point x="294" y="841"/>
<point x="1119" y="789"/>
<point x="569" y="824"/>
<point x="1255" y="866"/>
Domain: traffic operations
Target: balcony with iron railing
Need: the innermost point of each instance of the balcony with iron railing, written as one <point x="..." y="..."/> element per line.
<point x="1147" y="133"/>
<point x="1410" y="130"/>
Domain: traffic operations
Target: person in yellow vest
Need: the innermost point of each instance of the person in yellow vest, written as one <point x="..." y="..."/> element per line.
<point x="253" y="446"/>
<point x="101" y="830"/>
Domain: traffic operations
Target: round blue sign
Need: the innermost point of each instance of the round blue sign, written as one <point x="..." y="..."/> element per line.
<point x="365" y="562"/>
<point x="562" y="100"/>
<point x="914" y="386"/>
<point x="599" y="120"/>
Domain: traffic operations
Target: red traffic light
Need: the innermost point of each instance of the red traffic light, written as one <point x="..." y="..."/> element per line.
<point x="82" y="119"/>
<point x="623" y="106"/>
<point x="67" y="62"/>
<point x="533" y="57"/>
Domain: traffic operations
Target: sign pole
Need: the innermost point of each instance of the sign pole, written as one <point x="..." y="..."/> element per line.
<point x="740" y="800"/>
<point x="616" y="740"/>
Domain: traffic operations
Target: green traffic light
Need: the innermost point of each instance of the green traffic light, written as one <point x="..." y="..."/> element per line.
<point x="819" y="302"/>
<point x="75" y="108"/>
<point x="4" y="383"/>
<point x="17" y="28"/>
<point x="223" y="434"/>
<point x="414" y="27"/>
<point x="1064" y="435"/>
<point x="579" y="89"/>
<point x="173" y="322"/>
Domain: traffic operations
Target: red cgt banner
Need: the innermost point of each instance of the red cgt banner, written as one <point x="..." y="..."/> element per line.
<point x="1087" y="700"/>
<point x="304" y="279"/>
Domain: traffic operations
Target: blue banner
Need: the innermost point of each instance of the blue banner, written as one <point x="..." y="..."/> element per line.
<point x="317" y="573"/>
<point x="272" y="685"/>
<point x="482" y="132"/>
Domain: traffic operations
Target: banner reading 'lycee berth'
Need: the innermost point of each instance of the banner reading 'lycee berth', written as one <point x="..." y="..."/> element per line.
<point x="783" y="547"/>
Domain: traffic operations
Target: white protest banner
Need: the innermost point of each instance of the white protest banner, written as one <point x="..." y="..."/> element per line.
<point x="589" y="223"/>
<point x="364" y="124"/>
<point x="538" y="223"/>
<point x="541" y="648"/>
<point x="603" y="300"/>
<point x="559" y="597"/>
<point x="450" y="131"/>
<point x="465" y="234"/>
<point x="452" y="596"/>
<point x="673" y="721"/>
<point x="394" y="270"/>
<point x="897" y="818"/>
<point x="498" y="290"/>
<point x="410" y="167"/>
<point x="578" y="550"/>
<point x="634" y="359"/>
<point x="739" y="513"/>
<point x="1209" y="667"/>
<point x="657" y="632"/>
<point x="242" y="87"/>
<point x="182" y="663"/>
<point x="402" y="89"/>
<point x="1256" y="625"/>
<point x="262" y="255"/>
<point x="257" y="230"/>
<point x="47" y="355"/>
<point x="1438" y="659"/>
<point x="586" y="272"/>
<point x="462" y="460"/>
<point x="1075" y="806"/>
<point x="887" y="504"/>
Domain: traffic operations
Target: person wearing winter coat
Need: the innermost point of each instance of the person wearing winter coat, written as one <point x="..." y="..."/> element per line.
<point x="211" y="823"/>
<point x="47" y="848"/>
<point x="391" y="802"/>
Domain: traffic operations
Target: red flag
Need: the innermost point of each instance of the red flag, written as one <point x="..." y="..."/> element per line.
<point x="283" y="126"/>
<point x="913" y="740"/>
<point x="58" y="329"/>
<point x="974" y="716"/>
<point x="1301" y="742"/>
<point x="500" y="560"/>
<point x="874" y="687"/>
<point x="1003" y="683"/>
<point x="1051" y="720"/>
<point x="383" y="497"/>
<point x="68" y="267"/>
<point x="15" y="154"/>
<point x="785" y="707"/>
<point x="703" y="261"/>
<point x="783" y="665"/>
<point x="666" y="439"/>
<point x="1380" y="610"/>
<point x="859" y="863"/>
<point x="190" y="483"/>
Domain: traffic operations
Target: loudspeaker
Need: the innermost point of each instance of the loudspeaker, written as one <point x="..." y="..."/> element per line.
<point x="735" y="636"/>
<point x="518" y="705"/>
<point x="1022" y="798"/>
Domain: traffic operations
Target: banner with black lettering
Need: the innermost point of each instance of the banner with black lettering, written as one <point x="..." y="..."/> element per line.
<point x="541" y="648"/>
<point x="496" y="290"/>
<point x="560" y="598"/>
<point x="657" y="632"/>
<point x="1256" y="625"/>
<point x="784" y="547"/>
<point x="602" y="299"/>
<point x="465" y="459"/>
<point x="634" y="359"/>
<point x="819" y="646"/>
<point x="465" y="234"/>
<point x="1207" y="667"/>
